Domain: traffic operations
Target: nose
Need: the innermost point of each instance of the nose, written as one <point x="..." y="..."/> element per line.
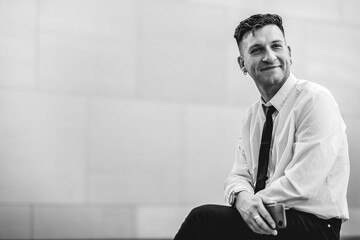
<point x="269" y="56"/>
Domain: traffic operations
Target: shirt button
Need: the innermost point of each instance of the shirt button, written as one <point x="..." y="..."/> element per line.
<point x="329" y="226"/>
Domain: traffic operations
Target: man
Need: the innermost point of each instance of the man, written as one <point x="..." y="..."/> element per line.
<point x="303" y="164"/>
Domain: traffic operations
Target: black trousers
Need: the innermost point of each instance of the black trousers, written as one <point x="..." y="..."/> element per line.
<point x="225" y="223"/>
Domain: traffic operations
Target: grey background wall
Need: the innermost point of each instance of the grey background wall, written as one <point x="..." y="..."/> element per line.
<point x="118" y="117"/>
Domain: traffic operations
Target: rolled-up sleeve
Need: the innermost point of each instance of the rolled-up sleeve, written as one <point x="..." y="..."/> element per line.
<point x="239" y="178"/>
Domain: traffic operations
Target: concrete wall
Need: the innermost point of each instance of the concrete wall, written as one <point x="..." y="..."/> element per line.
<point x="118" y="117"/>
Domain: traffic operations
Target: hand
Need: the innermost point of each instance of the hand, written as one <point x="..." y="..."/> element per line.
<point x="254" y="213"/>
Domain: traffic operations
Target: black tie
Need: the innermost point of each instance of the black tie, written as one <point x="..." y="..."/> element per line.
<point x="264" y="150"/>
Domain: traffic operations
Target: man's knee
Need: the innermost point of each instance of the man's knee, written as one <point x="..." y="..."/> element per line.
<point x="206" y="211"/>
<point x="196" y="223"/>
<point x="202" y="209"/>
<point x="200" y="212"/>
<point x="214" y="215"/>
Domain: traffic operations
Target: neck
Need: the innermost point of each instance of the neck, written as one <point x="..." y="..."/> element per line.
<point x="268" y="92"/>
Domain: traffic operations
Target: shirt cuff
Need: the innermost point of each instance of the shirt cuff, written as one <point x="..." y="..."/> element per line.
<point x="230" y="198"/>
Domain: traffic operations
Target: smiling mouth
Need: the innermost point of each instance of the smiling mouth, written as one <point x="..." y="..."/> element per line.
<point x="268" y="68"/>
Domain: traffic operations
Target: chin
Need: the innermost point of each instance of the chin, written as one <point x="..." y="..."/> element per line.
<point x="274" y="78"/>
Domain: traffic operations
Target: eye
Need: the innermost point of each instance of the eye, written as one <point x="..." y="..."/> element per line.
<point x="255" y="50"/>
<point x="277" y="46"/>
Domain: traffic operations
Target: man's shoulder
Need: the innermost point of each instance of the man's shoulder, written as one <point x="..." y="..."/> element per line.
<point x="253" y="108"/>
<point x="311" y="94"/>
<point x="249" y="113"/>
<point x="311" y="87"/>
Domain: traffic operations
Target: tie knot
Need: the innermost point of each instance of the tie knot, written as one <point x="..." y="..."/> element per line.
<point x="270" y="110"/>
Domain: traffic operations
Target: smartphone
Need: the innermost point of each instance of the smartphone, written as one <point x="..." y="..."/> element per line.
<point x="277" y="212"/>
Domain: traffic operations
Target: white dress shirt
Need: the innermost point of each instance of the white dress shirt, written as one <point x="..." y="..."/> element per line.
<point x="309" y="162"/>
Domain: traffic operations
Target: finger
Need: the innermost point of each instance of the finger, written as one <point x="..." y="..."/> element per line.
<point x="254" y="227"/>
<point x="260" y="225"/>
<point x="251" y="226"/>
<point x="266" y="215"/>
<point x="257" y="222"/>
<point x="251" y="222"/>
<point x="263" y="227"/>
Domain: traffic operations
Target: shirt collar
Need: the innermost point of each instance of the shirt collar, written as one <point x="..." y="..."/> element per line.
<point x="279" y="98"/>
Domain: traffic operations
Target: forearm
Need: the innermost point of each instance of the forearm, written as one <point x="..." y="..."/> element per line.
<point x="235" y="184"/>
<point x="239" y="178"/>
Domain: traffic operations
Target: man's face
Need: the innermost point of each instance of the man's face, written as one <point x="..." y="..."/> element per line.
<point x="266" y="57"/>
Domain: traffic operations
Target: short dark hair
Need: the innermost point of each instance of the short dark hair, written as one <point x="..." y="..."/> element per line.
<point x="255" y="22"/>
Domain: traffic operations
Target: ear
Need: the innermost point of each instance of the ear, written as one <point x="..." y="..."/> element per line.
<point x="241" y="62"/>
<point x="289" y="51"/>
